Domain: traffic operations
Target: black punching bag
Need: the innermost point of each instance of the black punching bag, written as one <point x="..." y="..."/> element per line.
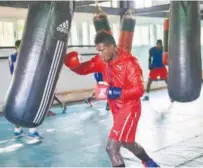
<point x="184" y="80"/>
<point x="39" y="62"/>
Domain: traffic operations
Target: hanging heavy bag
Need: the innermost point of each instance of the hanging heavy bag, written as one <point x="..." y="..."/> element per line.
<point x="101" y="22"/>
<point x="39" y="62"/>
<point x="127" y="30"/>
<point x="184" y="80"/>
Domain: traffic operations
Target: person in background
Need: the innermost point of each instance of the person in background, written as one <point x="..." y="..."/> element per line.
<point x="157" y="70"/>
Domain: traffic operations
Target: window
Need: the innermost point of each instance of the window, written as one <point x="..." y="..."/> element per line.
<point x="152" y="35"/>
<point x="2" y="34"/>
<point x="144" y="32"/>
<point x="141" y="35"/>
<point x="139" y="4"/>
<point x="105" y="4"/>
<point x="69" y="39"/>
<point x="201" y="36"/>
<point x="73" y="39"/>
<point x="7" y="33"/>
<point x="20" y="28"/>
<point x="159" y="31"/>
<point x="137" y="36"/>
<point x="85" y="36"/>
<point x="102" y="4"/>
<point x="115" y="3"/>
<point x="92" y="34"/>
<point x="158" y="2"/>
<point x="116" y="31"/>
<point x="143" y="3"/>
<point x="147" y="3"/>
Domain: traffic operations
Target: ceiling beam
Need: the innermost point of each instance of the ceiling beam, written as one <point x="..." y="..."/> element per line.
<point x="154" y="11"/>
<point x="158" y="15"/>
<point x="120" y="11"/>
<point x="108" y="10"/>
<point x="83" y="7"/>
<point x="86" y="3"/>
<point x="25" y="4"/>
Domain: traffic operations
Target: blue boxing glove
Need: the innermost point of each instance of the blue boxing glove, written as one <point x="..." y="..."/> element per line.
<point x="98" y="77"/>
<point x="113" y="92"/>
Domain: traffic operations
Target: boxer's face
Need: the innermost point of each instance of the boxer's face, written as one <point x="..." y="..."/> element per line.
<point x="105" y="51"/>
<point x="158" y="45"/>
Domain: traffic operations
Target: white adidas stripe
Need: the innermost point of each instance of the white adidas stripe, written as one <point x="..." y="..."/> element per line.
<point x="67" y="24"/>
<point x="46" y="86"/>
<point x="64" y="24"/>
<point x="52" y="77"/>
<point x="50" y="80"/>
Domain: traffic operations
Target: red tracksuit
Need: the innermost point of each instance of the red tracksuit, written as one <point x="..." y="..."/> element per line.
<point x="123" y="72"/>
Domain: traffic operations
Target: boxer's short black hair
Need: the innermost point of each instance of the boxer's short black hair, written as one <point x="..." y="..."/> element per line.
<point x="105" y="38"/>
<point x="159" y="42"/>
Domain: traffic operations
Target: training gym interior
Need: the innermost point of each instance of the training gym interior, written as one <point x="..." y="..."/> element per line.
<point x="41" y="91"/>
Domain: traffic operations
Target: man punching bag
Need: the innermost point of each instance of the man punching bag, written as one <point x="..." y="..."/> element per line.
<point x="184" y="80"/>
<point x="39" y="62"/>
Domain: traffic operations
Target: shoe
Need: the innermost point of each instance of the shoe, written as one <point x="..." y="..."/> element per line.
<point x="146" y="98"/>
<point x="34" y="135"/>
<point x="88" y="101"/>
<point x="150" y="163"/>
<point x="18" y="134"/>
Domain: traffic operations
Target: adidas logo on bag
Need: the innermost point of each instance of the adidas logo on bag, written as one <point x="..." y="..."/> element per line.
<point x="63" y="27"/>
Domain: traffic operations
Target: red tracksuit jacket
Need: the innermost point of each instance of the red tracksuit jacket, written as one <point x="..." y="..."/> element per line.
<point x="123" y="72"/>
